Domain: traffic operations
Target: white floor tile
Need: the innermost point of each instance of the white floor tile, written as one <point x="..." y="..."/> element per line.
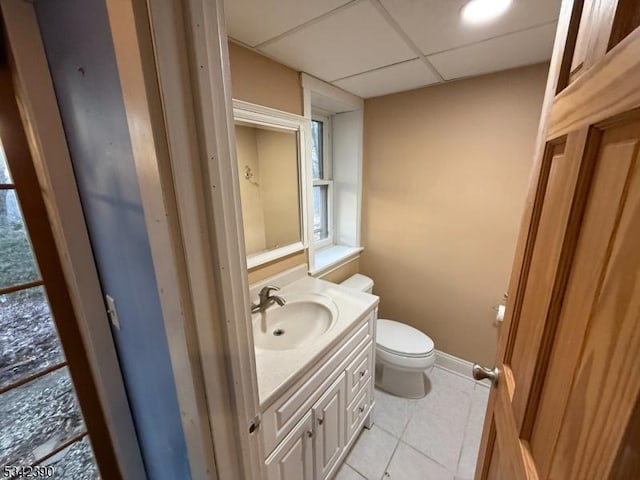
<point x="478" y="411"/>
<point x="447" y="402"/>
<point x="468" y="456"/>
<point x="441" y="377"/>
<point x="348" y="473"/>
<point x="409" y="464"/>
<point x="392" y="413"/>
<point x="437" y="437"/>
<point x="440" y="434"/>
<point x="372" y="452"/>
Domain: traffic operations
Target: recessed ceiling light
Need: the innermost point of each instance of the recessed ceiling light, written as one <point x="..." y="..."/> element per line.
<point x="479" y="11"/>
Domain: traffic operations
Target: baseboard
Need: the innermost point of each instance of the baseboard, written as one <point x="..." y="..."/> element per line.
<point x="458" y="366"/>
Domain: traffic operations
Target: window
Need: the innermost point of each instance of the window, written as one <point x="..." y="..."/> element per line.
<point x="322" y="181"/>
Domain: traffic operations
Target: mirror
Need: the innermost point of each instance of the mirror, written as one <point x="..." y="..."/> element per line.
<point x="269" y="169"/>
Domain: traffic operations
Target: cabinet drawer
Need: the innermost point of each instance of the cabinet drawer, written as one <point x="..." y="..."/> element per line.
<point x="358" y="410"/>
<point x="359" y="371"/>
<point x="280" y="417"/>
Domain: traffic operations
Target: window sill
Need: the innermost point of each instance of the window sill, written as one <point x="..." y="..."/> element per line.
<point x="331" y="256"/>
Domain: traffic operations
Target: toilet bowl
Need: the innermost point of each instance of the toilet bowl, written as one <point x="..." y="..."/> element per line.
<point x="404" y="355"/>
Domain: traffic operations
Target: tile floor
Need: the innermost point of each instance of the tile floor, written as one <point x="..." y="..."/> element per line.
<point x="434" y="438"/>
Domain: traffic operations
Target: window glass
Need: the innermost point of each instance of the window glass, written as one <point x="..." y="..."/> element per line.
<point x="5" y="176"/>
<point x="38" y="417"/>
<point x="17" y="264"/>
<point x="317" y="149"/>
<point x="28" y="336"/>
<point x="320" y="212"/>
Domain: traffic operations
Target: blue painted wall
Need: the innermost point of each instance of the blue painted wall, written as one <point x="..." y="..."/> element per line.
<point x="80" y="52"/>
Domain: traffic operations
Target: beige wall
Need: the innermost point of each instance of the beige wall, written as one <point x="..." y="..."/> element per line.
<point x="272" y="268"/>
<point x="342" y="272"/>
<point x="258" y="79"/>
<point x="445" y="178"/>
<point x="278" y="154"/>
<point x="270" y="200"/>
<point x="250" y="192"/>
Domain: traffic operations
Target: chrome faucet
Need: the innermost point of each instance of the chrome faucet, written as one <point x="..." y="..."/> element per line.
<point x="266" y="299"/>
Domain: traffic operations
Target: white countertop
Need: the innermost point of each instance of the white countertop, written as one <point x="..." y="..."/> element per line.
<point x="277" y="370"/>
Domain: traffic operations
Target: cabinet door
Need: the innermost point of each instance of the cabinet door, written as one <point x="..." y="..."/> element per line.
<point x="329" y="419"/>
<point x="293" y="459"/>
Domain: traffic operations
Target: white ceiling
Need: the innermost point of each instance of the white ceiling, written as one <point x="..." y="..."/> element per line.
<point x="376" y="47"/>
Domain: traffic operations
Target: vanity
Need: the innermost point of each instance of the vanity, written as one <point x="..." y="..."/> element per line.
<point x="313" y="340"/>
<point x="315" y="387"/>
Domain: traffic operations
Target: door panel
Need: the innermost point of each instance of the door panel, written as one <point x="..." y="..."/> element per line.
<point x="568" y="387"/>
<point x="328" y="416"/>
<point x="494" y="468"/>
<point x="627" y="464"/>
<point x="587" y="18"/>
<point x="627" y="19"/>
<point x="607" y="381"/>
<point x="546" y="259"/>
<point x="610" y="180"/>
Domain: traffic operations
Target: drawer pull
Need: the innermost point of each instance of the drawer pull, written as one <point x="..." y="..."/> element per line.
<point x="361" y="409"/>
<point x="362" y="372"/>
<point x="309" y="433"/>
<point x="320" y="421"/>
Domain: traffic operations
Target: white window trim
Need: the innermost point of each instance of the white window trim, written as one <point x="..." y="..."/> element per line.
<point x="322" y="98"/>
<point x="327" y="170"/>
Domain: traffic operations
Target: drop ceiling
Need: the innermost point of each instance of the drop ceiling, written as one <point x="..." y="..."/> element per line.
<point x="376" y="47"/>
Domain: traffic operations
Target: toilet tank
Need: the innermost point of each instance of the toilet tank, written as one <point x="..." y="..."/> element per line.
<point x="359" y="282"/>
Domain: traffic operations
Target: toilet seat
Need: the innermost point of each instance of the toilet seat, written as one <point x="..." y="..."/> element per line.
<point x="402" y="340"/>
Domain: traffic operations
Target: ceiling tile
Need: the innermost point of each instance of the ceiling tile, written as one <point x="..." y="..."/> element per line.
<point x="255" y="21"/>
<point x="353" y="40"/>
<point x="436" y="25"/>
<point x="509" y="51"/>
<point x="391" y="79"/>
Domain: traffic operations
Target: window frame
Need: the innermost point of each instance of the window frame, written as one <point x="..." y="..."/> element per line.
<point x="327" y="178"/>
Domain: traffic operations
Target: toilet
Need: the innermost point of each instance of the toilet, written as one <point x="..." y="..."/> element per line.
<point x="404" y="355"/>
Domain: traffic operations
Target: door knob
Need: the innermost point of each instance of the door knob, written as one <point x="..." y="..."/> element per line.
<point x="480" y="373"/>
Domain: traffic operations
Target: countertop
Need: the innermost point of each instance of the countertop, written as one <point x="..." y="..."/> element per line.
<point x="277" y="370"/>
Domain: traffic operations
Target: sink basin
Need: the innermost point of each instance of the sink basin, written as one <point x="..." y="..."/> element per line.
<point x="303" y="319"/>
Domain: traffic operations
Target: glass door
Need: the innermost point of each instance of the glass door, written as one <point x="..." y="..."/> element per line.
<point x="42" y="430"/>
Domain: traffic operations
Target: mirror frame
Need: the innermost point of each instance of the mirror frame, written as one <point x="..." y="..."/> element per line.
<point x="270" y="117"/>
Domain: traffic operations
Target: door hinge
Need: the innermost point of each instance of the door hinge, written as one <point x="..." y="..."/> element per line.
<point x="255" y="424"/>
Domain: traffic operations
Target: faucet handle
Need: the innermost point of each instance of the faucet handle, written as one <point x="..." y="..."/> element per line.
<point x="269" y="288"/>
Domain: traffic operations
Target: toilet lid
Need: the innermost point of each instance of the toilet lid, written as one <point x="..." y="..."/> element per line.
<point x="402" y="339"/>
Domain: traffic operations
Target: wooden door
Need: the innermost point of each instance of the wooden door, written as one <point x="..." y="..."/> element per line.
<point x="293" y="459"/>
<point x="566" y="403"/>
<point x="328" y="416"/>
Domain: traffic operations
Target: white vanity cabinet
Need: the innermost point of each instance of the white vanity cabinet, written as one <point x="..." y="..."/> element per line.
<point x="308" y="430"/>
<point x="293" y="459"/>
<point x="329" y="414"/>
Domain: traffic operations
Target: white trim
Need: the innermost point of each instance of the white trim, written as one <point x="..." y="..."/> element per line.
<point x="195" y="90"/>
<point x="338" y="255"/>
<point x="198" y="110"/>
<point x="39" y="110"/>
<point x="351" y="101"/>
<point x="458" y="366"/>
<point x="270" y="117"/>
<point x="261" y="258"/>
